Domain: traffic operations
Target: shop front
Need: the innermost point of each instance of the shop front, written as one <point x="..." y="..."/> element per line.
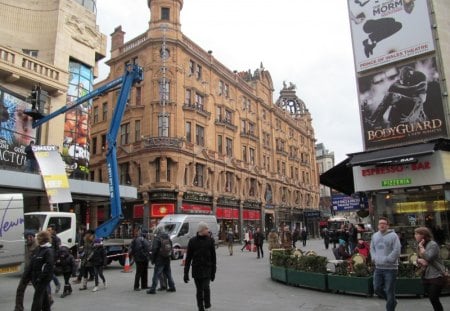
<point x="251" y="215"/>
<point x="161" y="203"/>
<point x="196" y="203"/>
<point x="411" y="191"/>
<point x="227" y="213"/>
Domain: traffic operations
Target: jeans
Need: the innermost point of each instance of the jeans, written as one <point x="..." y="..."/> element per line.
<point x="384" y="286"/>
<point x="259" y="249"/>
<point x="162" y="268"/>
<point x="203" y="293"/>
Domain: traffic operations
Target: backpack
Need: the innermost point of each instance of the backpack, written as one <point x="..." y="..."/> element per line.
<point x="165" y="249"/>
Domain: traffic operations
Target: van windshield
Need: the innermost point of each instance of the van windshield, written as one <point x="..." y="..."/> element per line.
<point x="168" y="227"/>
<point x="34" y="222"/>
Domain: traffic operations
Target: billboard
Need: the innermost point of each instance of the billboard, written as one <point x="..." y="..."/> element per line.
<point x="388" y="31"/>
<point x="402" y="104"/>
<point x="16" y="131"/>
<point x="343" y="203"/>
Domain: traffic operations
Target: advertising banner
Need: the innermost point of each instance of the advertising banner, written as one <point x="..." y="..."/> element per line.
<point x="196" y="209"/>
<point x="16" y="130"/>
<point x="161" y="210"/>
<point x="342" y="203"/>
<point x="388" y="31"/>
<point x="53" y="173"/>
<point x="402" y="104"/>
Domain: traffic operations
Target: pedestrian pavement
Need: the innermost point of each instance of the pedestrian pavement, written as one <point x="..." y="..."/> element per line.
<point x="242" y="283"/>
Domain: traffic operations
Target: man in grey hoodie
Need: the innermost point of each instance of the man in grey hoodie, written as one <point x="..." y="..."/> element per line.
<point x="385" y="252"/>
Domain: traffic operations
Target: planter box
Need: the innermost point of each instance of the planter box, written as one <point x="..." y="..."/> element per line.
<point x="278" y="274"/>
<point x="351" y="284"/>
<point x="407" y="286"/>
<point x="307" y="279"/>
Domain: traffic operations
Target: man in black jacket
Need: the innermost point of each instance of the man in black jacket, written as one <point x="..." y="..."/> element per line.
<point x="140" y="251"/>
<point x="161" y="253"/>
<point x="201" y="253"/>
<point x="40" y="271"/>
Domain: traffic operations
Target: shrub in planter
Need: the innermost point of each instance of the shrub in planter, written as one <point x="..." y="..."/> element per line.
<point x="356" y="279"/>
<point x="307" y="271"/>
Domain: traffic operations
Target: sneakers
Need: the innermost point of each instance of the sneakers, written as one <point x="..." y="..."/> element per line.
<point x="171" y="290"/>
<point x="83" y="288"/>
<point x="151" y="291"/>
<point x="161" y="289"/>
<point x="95" y="289"/>
<point x="58" y="288"/>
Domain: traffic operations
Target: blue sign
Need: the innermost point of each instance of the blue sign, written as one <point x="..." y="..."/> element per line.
<point x="347" y="203"/>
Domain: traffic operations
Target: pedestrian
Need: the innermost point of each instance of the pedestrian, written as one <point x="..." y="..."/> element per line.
<point x="56" y="243"/>
<point x="272" y="239"/>
<point x="352" y="238"/>
<point x="247" y="241"/>
<point x="87" y="266"/>
<point x="259" y="241"/>
<point x="363" y="248"/>
<point x="326" y="237"/>
<point x="341" y="251"/>
<point x="286" y="238"/>
<point x="433" y="277"/>
<point x="160" y="257"/>
<point x="230" y="240"/>
<point x="40" y="271"/>
<point x="304" y="235"/>
<point x="98" y="260"/>
<point x="201" y="254"/>
<point x="385" y="253"/>
<point x="65" y="265"/>
<point x="140" y="252"/>
<point x="31" y="246"/>
<point x="295" y="237"/>
<point x="31" y="163"/>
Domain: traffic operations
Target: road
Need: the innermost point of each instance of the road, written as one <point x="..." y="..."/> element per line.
<point x="242" y="283"/>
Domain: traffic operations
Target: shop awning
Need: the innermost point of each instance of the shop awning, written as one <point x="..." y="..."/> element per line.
<point x="389" y="156"/>
<point x="339" y="177"/>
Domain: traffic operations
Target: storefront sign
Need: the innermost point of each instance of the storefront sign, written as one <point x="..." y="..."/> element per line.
<point x="162" y="196"/>
<point x="197" y="197"/>
<point x="196" y="209"/>
<point x="252" y="215"/>
<point x="161" y="210"/>
<point x="315" y="214"/>
<point x="429" y="170"/>
<point x="345" y="203"/>
<point x="252" y="204"/>
<point x="227" y="213"/>
<point x="228" y="201"/>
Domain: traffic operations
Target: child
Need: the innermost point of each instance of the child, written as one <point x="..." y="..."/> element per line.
<point x="98" y="260"/>
<point x="65" y="265"/>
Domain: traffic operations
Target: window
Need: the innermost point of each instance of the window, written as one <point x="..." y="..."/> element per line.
<point x="163" y="125"/>
<point x="199" y="101"/>
<point x="198" y="180"/>
<point x="219" y="113"/>
<point x="186" y="172"/>
<point x="252" y="190"/>
<point x="198" y="72"/>
<point x="104" y="111"/>
<point x="244" y="126"/>
<point x="32" y="53"/>
<point x="278" y="167"/>
<point x="229" y="147"/>
<point x="191" y="68"/>
<point x="188" y="128"/>
<point x="61" y="223"/>
<point x="124" y="133"/>
<point x="228" y="115"/>
<point x="100" y="175"/>
<point x="187" y="97"/>
<point x="137" y="130"/>
<point x="124" y="174"/>
<point x="228" y="182"/>
<point x="226" y="90"/>
<point x="103" y="142"/>
<point x="95" y="114"/>
<point x="244" y="153"/>
<point x="252" y="156"/>
<point x="138" y="96"/>
<point x="157" y="170"/>
<point x="221" y="87"/>
<point x="283" y="168"/>
<point x="165" y="14"/>
<point x="264" y="114"/>
<point x="251" y="128"/>
<point x="94" y="145"/>
<point x="220" y="144"/>
<point x="164" y="90"/>
<point x="199" y="135"/>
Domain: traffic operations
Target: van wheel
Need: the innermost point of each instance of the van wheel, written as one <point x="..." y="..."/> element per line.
<point x="176" y="254"/>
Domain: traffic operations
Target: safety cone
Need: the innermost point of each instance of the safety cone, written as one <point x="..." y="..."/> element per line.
<point x="183" y="261"/>
<point x="126" y="267"/>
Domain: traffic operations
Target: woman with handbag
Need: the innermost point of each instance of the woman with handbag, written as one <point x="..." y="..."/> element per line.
<point x="433" y="277"/>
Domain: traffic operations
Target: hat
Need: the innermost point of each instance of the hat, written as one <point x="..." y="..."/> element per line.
<point x="341" y="242"/>
<point x="202" y="226"/>
<point x="29" y="233"/>
<point x="98" y="241"/>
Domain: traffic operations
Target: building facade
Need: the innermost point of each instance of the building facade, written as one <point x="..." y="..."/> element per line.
<point x="51" y="46"/>
<point x="403" y="98"/>
<point x="197" y="137"/>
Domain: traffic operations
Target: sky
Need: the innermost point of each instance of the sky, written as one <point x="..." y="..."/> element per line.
<point x="306" y="42"/>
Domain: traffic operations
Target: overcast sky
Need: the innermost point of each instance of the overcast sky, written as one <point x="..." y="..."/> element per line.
<point x="306" y="42"/>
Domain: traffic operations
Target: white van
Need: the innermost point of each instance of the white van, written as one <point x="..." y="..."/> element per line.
<point x="182" y="227"/>
<point x="12" y="242"/>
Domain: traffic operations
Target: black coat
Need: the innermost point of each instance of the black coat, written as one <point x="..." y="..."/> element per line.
<point x="98" y="256"/>
<point x="140" y="249"/>
<point x="201" y="253"/>
<point x="40" y="270"/>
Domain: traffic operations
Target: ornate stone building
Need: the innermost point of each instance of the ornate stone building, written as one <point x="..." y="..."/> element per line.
<point x="197" y="137"/>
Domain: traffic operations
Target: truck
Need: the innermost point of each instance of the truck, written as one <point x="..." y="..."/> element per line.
<point x="12" y="243"/>
<point x="66" y="222"/>
<point x="182" y="227"/>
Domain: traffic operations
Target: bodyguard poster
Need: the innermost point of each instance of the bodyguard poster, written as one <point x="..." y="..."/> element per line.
<point x="387" y="31"/>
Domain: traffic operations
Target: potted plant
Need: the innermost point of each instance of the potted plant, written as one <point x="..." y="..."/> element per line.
<point x="307" y="271"/>
<point x="278" y="264"/>
<point x="408" y="280"/>
<point x="356" y="279"/>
